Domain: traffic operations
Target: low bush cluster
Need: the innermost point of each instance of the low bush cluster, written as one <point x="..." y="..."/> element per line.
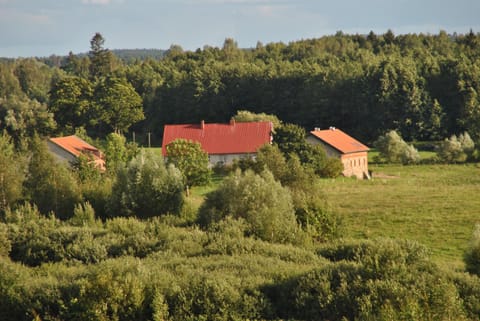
<point x="127" y="269"/>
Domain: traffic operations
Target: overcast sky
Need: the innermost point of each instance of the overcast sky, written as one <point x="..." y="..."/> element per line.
<point x="46" y="27"/>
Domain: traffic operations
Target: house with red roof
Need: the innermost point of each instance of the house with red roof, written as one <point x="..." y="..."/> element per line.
<point x="223" y="142"/>
<point x="350" y="151"/>
<point x="67" y="149"/>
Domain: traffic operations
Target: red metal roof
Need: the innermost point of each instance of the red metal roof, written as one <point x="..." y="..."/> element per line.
<point x="232" y="138"/>
<point x="339" y="140"/>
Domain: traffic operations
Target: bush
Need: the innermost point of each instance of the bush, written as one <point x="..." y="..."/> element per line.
<point x="468" y="287"/>
<point x="393" y="149"/>
<point x="472" y="254"/>
<point x="455" y="149"/>
<point x="261" y="201"/>
<point x="375" y="280"/>
<point x="83" y="215"/>
<point x="146" y="188"/>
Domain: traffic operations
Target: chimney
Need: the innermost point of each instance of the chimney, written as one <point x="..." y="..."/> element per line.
<point x="232" y="121"/>
<point x="202" y="124"/>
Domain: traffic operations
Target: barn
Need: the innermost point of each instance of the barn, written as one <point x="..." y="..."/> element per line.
<point x="352" y="153"/>
<point x="223" y="142"/>
<point x="68" y="148"/>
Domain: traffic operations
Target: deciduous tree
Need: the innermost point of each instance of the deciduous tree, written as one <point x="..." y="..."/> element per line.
<point x="119" y="105"/>
<point x="191" y="160"/>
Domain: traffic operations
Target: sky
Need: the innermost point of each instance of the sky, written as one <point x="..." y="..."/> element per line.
<point x="55" y="27"/>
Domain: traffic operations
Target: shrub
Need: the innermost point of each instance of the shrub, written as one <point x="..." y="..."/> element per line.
<point x="375" y="280"/>
<point x="261" y="201"/>
<point x="146" y="188"/>
<point x="393" y="149"/>
<point x="451" y="151"/>
<point x="5" y="243"/>
<point x="472" y="254"/>
<point x="83" y="215"/>
<point x="468" y="287"/>
<point x="455" y="149"/>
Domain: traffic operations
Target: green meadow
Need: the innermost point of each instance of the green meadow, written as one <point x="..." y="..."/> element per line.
<point x="436" y="205"/>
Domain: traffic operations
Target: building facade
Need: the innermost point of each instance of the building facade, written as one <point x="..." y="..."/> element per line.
<point x="337" y="144"/>
<point x="223" y="142"/>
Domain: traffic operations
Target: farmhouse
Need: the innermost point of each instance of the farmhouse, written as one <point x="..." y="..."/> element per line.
<point x="69" y="148"/>
<point x="222" y="142"/>
<point x="351" y="152"/>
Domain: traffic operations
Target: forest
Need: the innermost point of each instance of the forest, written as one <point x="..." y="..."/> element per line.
<point x="155" y="239"/>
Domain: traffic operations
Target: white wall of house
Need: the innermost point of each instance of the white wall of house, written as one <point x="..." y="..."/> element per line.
<point x="61" y="154"/>
<point x="226" y="159"/>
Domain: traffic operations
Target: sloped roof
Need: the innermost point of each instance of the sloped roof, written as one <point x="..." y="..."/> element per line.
<point x="76" y="146"/>
<point x="339" y="140"/>
<point x="230" y="138"/>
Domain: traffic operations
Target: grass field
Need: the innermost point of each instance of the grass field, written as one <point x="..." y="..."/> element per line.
<point x="436" y="205"/>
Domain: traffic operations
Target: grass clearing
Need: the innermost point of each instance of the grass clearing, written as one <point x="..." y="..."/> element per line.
<point x="436" y="205"/>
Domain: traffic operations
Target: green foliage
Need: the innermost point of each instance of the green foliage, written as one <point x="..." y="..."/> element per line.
<point x="455" y="149"/>
<point x="472" y="254"/>
<point x="248" y="116"/>
<point x="118" y="104"/>
<point x="394" y="149"/>
<point x="468" y="287"/>
<point x="5" y="243"/>
<point x="71" y="102"/>
<point x="191" y="160"/>
<point x="115" y="151"/>
<point x="49" y="184"/>
<point x="12" y="173"/>
<point x="86" y="170"/>
<point x="311" y="209"/>
<point x="102" y="61"/>
<point x="261" y="201"/>
<point x="376" y="280"/>
<point x="22" y="118"/>
<point x="290" y="139"/>
<point x="146" y="188"/>
<point x="83" y="215"/>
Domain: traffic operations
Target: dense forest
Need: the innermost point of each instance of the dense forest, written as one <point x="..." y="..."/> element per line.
<point x="149" y="239"/>
<point x="424" y="86"/>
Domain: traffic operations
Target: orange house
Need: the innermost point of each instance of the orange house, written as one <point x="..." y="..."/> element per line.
<point x="69" y="148"/>
<point x="350" y="151"/>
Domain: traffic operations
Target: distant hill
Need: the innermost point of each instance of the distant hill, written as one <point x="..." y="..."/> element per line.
<point x="129" y="55"/>
<point x="126" y="55"/>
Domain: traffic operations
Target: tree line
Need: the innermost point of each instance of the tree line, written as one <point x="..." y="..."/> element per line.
<point x="423" y="86"/>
